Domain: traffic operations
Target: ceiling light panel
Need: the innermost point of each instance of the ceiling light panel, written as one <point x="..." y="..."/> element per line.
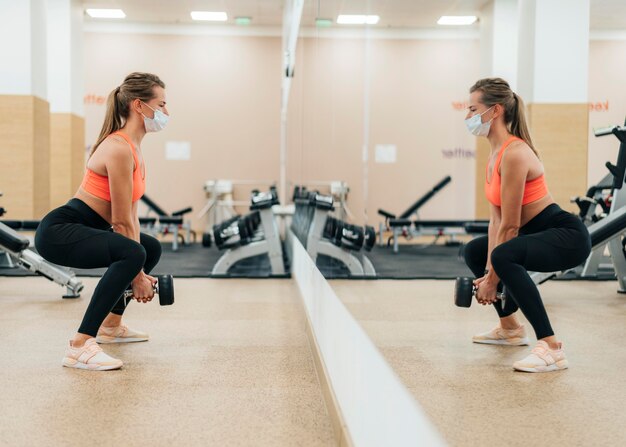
<point x="209" y="16"/>
<point x="456" y="20"/>
<point x="357" y="19"/>
<point x="105" y="13"/>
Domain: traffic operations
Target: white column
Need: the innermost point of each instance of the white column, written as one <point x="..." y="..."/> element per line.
<point x="65" y="56"/>
<point x="554" y="51"/>
<point x="65" y="87"/>
<point x="553" y="81"/>
<point x="499" y="23"/>
<point x="499" y="40"/>
<point x="292" y="14"/>
<point x="23" y="37"/>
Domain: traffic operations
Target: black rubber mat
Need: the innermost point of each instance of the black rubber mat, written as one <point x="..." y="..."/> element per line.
<point x="411" y="262"/>
<point x="421" y="262"/>
<point x="189" y="261"/>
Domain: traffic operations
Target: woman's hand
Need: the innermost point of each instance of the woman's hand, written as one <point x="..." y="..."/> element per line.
<point x="486" y="291"/>
<point x="143" y="290"/>
<point x="152" y="279"/>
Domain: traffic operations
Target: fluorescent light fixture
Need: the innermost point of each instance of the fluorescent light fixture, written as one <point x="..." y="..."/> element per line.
<point x="106" y="13"/>
<point x="209" y="16"/>
<point x="244" y="21"/>
<point x="323" y="23"/>
<point x="344" y="19"/>
<point x="456" y="20"/>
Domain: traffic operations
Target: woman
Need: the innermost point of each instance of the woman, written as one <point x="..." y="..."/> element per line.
<point x="527" y="229"/>
<point x="99" y="227"/>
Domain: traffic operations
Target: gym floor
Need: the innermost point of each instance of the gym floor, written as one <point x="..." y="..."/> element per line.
<point x="471" y="392"/>
<point x="233" y="354"/>
<point x="228" y="364"/>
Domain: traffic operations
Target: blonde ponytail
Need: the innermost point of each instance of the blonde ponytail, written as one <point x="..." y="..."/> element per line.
<point x="519" y="127"/>
<point x="112" y="119"/>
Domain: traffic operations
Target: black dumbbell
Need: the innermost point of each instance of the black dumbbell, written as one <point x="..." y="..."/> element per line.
<point x="300" y="192"/>
<point x="330" y="228"/>
<point x="370" y="238"/>
<point x="223" y="231"/>
<point x="349" y="236"/>
<point x="464" y="292"/>
<point x="164" y="288"/>
<point x="244" y="226"/>
<point x="254" y="220"/>
<point x="206" y="240"/>
<point x="274" y="193"/>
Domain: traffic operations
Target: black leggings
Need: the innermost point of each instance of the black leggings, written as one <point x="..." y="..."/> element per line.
<point x="553" y="240"/>
<point x="74" y="235"/>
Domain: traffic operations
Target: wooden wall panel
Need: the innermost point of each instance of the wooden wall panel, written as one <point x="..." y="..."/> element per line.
<point x="67" y="156"/>
<point x="16" y="173"/>
<point x="560" y="134"/>
<point x="60" y="158"/>
<point x="78" y="152"/>
<point x="41" y="157"/>
<point x="482" y="154"/>
<point x="24" y="151"/>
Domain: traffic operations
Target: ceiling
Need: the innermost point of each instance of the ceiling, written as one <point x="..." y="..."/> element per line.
<point x="605" y="14"/>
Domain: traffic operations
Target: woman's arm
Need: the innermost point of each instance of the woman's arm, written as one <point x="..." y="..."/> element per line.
<point x="119" y="166"/>
<point x="135" y="216"/>
<point x="494" y="227"/>
<point x="514" y="169"/>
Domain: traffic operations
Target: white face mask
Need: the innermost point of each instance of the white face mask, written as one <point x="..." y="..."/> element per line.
<point x="476" y="126"/>
<point x="157" y="123"/>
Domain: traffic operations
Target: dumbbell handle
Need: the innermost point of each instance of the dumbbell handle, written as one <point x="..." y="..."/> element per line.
<point x="500" y="295"/>
<point x="128" y="294"/>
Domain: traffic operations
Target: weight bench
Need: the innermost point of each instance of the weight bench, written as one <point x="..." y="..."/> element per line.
<point x="419" y="203"/>
<point x="436" y="228"/>
<point x="25" y="225"/>
<point x="398" y="223"/>
<point x="167" y="223"/>
<point x="14" y="252"/>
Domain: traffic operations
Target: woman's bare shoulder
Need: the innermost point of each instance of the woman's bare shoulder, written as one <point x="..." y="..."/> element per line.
<point x="114" y="147"/>
<point x="518" y="151"/>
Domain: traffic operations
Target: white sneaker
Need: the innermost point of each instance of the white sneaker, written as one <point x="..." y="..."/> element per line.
<point x="90" y="356"/>
<point x="499" y="336"/>
<point x="543" y="359"/>
<point x="120" y="334"/>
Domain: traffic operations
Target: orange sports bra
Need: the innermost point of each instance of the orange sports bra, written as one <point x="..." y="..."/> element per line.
<point x="98" y="185"/>
<point x="534" y="189"/>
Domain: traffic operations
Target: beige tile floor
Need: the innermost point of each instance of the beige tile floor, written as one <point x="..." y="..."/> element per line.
<point x="228" y="364"/>
<point x="470" y="391"/>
